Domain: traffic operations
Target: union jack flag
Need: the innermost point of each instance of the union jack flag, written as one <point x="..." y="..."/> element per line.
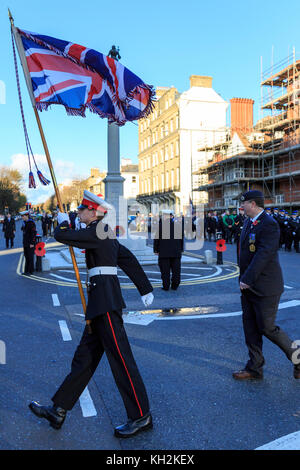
<point x="78" y="78"/>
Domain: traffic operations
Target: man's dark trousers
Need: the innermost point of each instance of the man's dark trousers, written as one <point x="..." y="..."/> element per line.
<point x="259" y="315"/>
<point x="166" y="265"/>
<point x="11" y="240"/>
<point x="109" y="336"/>
<point x="29" y="259"/>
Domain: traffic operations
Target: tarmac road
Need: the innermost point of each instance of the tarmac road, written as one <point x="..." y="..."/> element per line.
<point x="186" y="365"/>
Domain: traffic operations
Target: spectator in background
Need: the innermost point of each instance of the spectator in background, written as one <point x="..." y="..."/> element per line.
<point x="9" y="229"/>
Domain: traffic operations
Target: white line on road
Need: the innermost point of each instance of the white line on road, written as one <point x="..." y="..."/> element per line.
<point x="63" y="278"/>
<point x="55" y="299"/>
<point x="87" y="406"/>
<point x="290" y="303"/>
<point x="288" y="287"/>
<point x="64" y="330"/>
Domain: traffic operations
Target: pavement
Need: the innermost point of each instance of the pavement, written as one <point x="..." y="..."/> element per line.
<point x="186" y="347"/>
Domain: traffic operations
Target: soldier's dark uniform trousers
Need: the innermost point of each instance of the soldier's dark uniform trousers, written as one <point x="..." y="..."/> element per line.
<point x="104" y="309"/>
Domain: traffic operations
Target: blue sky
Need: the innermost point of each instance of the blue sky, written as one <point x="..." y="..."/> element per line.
<point x="163" y="42"/>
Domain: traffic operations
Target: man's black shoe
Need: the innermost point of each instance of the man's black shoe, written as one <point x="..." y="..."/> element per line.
<point x="131" y="428"/>
<point x="164" y="288"/>
<point x="54" y="414"/>
<point x="26" y="274"/>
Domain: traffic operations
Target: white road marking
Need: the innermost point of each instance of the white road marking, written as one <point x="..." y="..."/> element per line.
<point x="55" y="299"/>
<point x="70" y="271"/>
<point x="288" y="442"/>
<point x="64" y="330"/>
<point x="288" y="287"/>
<point x="87" y="406"/>
<point x="290" y="303"/>
<point x="64" y="278"/>
<point x="135" y="317"/>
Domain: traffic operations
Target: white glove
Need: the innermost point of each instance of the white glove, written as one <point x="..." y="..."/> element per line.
<point x="62" y="217"/>
<point x="147" y="299"/>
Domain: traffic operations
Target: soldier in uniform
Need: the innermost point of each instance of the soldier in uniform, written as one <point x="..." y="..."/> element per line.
<point x="282" y="221"/>
<point x="29" y="239"/>
<point x="168" y="245"/>
<point x="104" y="331"/>
<point x="261" y="285"/>
<point x="294" y="223"/>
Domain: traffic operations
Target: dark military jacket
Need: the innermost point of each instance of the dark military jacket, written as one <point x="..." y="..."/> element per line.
<point x="29" y="233"/>
<point x="105" y="292"/>
<point x="259" y="266"/>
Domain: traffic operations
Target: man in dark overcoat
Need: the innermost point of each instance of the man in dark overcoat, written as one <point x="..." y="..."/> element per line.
<point x="261" y="285"/>
<point x="9" y="229"/>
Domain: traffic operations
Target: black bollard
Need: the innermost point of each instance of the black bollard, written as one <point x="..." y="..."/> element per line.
<point x="38" y="263"/>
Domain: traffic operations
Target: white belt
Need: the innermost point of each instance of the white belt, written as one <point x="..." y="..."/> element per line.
<point x="103" y="270"/>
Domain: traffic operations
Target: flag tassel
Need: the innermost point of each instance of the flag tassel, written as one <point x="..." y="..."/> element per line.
<point x="42" y="178"/>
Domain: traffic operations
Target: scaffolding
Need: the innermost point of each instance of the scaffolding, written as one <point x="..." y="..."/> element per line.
<point x="280" y="121"/>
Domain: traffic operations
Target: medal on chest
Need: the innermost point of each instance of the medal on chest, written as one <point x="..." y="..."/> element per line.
<point x="252" y="242"/>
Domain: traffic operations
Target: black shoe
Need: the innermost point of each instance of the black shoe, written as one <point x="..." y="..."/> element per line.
<point x="174" y="288"/>
<point x="26" y="274"/>
<point x="131" y="428"/>
<point x="164" y="288"/>
<point x="54" y="414"/>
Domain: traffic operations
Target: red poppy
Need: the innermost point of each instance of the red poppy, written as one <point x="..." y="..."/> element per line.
<point x="39" y="249"/>
<point x="221" y="245"/>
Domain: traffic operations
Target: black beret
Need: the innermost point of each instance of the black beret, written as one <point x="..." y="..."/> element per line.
<point x="252" y="195"/>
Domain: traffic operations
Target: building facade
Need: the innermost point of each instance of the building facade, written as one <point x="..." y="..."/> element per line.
<point x="169" y="142"/>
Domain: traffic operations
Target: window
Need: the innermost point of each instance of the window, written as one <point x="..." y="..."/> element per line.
<point x="171" y="150"/>
<point x="162" y="155"/>
<point x="171" y="125"/>
<point x="177" y="176"/>
<point x="162" y="181"/>
<point x="133" y="179"/>
<point x="167" y="180"/>
<point x="166" y="153"/>
<point x="177" y="147"/>
<point x="172" y="179"/>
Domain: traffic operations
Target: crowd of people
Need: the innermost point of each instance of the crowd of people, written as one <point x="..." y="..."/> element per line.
<point x="230" y="223"/>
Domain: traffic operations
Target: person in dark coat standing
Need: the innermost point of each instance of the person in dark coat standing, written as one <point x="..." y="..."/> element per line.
<point x="104" y="331"/>
<point x="44" y="220"/>
<point x="9" y="229"/>
<point x="238" y="227"/>
<point x="29" y="240"/>
<point x="261" y="285"/>
<point x="168" y="245"/>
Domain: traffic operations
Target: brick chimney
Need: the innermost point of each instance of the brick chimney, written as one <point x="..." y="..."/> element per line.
<point x="241" y="114"/>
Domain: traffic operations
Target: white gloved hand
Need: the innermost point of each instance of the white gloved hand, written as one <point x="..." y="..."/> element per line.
<point x="147" y="299"/>
<point x="62" y="217"/>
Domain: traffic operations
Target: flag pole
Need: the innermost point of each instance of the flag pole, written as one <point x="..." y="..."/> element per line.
<point x="57" y="193"/>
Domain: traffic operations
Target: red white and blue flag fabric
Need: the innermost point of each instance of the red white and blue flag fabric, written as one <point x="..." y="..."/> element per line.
<point x="78" y="78"/>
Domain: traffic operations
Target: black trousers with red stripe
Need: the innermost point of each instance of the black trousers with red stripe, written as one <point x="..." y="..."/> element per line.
<point x="109" y="336"/>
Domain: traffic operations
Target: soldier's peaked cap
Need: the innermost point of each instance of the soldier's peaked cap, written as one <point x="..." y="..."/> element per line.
<point x="251" y="195"/>
<point x="91" y="201"/>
